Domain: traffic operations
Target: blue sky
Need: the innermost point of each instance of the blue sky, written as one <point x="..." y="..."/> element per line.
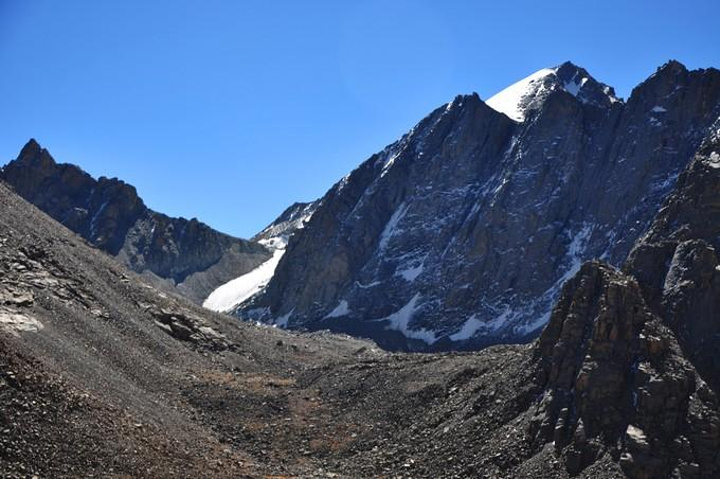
<point x="231" y="110"/>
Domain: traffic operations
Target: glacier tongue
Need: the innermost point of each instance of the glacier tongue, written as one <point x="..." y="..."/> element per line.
<point x="234" y="292"/>
<point x="274" y="237"/>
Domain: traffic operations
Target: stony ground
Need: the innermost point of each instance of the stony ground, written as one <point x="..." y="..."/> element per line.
<point x="103" y="376"/>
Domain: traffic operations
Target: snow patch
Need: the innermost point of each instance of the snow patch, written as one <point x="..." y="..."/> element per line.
<point x="468" y="329"/>
<point x="658" y="109"/>
<point x="276" y="242"/>
<point x="400" y="321"/>
<point x="96" y="216"/>
<point x="226" y="297"/>
<point x="411" y="274"/>
<point x="636" y="434"/>
<point x="575" y="250"/>
<point x="340" y="310"/>
<point x="573" y="87"/>
<point x="527" y="328"/>
<point x="513" y="100"/>
<point x="714" y="160"/>
<point x="283" y="320"/>
<point x="665" y="183"/>
<point x="391" y="225"/>
<point x="367" y="286"/>
<point x="388" y="164"/>
<point x="473" y="325"/>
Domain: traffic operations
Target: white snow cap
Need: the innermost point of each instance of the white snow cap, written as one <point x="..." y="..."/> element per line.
<point x="514" y="100"/>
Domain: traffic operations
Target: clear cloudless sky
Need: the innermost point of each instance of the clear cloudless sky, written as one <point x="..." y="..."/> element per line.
<point x="229" y="111"/>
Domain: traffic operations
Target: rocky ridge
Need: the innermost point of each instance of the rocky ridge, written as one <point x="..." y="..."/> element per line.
<point x="676" y="262"/>
<point x="181" y="255"/>
<point x="615" y="381"/>
<point x="289" y="221"/>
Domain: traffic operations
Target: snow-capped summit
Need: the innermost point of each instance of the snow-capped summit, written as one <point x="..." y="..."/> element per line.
<point x="528" y="94"/>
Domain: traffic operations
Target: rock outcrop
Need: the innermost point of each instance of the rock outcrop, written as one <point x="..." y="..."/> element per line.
<point x="615" y="381"/>
<point x="461" y="234"/>
<point x="627" y="365"/>
<point x="677" y="264"/>
<point x="183" y="255"/>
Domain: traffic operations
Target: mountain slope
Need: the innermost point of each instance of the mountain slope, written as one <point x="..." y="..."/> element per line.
<point x="103" y="374"/>
<point x="461" y="234"/>
<point x="186" y="256"/>
<point x="676" y="261"/>
<point x="644" y="374"/>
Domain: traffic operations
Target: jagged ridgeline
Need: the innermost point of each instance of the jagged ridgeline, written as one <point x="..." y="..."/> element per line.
<point x="185" y="256"/>
<point x="461" y="233"/>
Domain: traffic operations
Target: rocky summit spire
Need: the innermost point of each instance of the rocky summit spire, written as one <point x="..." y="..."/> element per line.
<point x="31" y="148"/>
<point x="33" y="152"/>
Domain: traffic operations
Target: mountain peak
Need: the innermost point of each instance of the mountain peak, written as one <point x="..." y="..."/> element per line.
<point x="529" y="93"/>
<point x="568" y="71"/>
<point x="33" y="153"/>
<point x="672" y="66"/>
<point x="669" y="71"/>
<point x="31" y="149"/>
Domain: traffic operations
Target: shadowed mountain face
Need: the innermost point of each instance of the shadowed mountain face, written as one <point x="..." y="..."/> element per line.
<point x="186" y="256"/>
<point x="629" y="361"/>
<point x="461" y="233"/>
<point x="677" y="264"/>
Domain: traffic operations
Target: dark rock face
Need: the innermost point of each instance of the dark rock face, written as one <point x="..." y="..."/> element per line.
<point x="628" y="364"/>
<point x="616" y="381"/>
<point x="175" y="252"/>
<point x="677" y="265"/>
<point x="461" y="234"/>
